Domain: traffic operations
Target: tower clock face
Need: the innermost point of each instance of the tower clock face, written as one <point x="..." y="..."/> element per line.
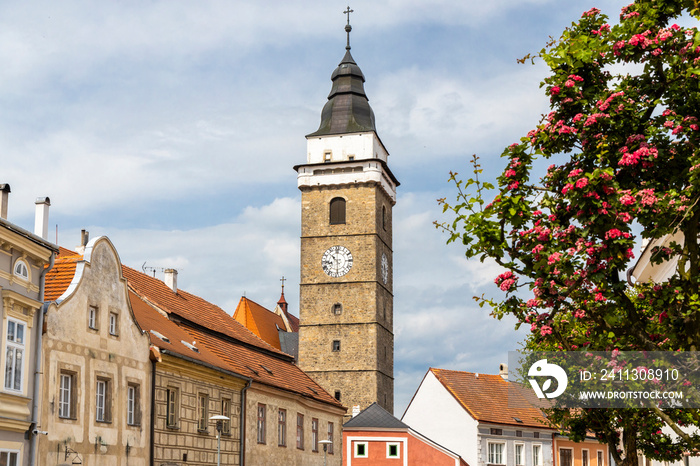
<point x="336" y="261"/>
<point x="385" y="268"/>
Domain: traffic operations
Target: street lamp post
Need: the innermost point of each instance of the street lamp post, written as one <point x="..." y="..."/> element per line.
<point x="325" y="444"/>
<point x="219" y="427"/>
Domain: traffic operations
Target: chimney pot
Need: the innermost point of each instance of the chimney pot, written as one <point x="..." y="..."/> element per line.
<point x="4" y="197"/>
<point x="503" y="371"/>
<point x="41" y="218"/>
<point x="170" y="279"/>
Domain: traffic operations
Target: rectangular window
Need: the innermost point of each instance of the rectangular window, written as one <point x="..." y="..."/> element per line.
<point x="314" y="434"/>
<point x="133" y="405"/>
<point x="336" y="345"/>
<point x="537" y="455"/>
<point x="202" y="412"/>
<point x="600" y="459"/>
<point x="536" y="434"/>
<point x="330" y="438"/>
<point x="496" y="431"/>
<point x="518" y="433"/>
<point x="565" y="457"/>
<point x="327" y="156"/>
<point x="519" y="457"/>
<point x="9" y="458"/>
<point x="360" y="449"/>
<point x="584" y="458"/>
<point x="226" y="411"/>
<point x="171" y="415"/>
<point x="65" y="396"/>
<point x="92" y="317"/>
<point x="113" y="324"/>
<point x="392" y="450"/>
<point x="282" y="428"/>
<point x="300" y="431"/>
<point x="102" y="400"/>
<point x="496" y="453"/>
<point x="261" y="423"/>
<point x="14" y="356"/>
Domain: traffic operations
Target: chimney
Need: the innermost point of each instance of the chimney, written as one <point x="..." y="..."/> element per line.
<point x="4" y="195"/>
<point x="84" y="238"/>
<point x="171" y="279"/>
<point x="41" y="219"/>
<point x="503" y="371"/>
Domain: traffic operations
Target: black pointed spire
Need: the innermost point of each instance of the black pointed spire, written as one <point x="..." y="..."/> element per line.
<point x="347" y="109"/>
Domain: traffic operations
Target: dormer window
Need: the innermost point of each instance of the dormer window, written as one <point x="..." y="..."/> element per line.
<point x="21" y="269"/>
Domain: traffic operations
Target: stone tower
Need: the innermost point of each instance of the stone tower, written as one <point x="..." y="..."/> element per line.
<point x="346" y="339"/>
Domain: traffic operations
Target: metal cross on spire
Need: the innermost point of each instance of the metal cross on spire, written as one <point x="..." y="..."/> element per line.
<point x="283" y="280"/>
<point x="348" y="28"/>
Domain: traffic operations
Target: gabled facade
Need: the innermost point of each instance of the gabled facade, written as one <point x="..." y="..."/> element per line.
<point x="97" y="372"/>
<point x="483" y="418"/>
<point x="375" y="437"/>
<point x="589" y="452"/>
<point x="24" y="258"/>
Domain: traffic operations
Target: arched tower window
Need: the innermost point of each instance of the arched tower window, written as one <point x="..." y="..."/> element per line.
<point x="337" y="214"/>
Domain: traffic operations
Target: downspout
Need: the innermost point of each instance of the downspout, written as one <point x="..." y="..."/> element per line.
<point x="37" y="364"/>
<point x="153" y="410"/>
<point x="243" y="404"/>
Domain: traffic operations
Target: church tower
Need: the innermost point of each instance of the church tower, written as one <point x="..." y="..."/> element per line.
<point x="346" y="338"/>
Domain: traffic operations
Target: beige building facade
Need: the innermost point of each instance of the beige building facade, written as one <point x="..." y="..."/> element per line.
<point x="97" y="372"/>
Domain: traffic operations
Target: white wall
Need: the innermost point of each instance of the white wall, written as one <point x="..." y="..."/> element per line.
<point x="436" y="414"/>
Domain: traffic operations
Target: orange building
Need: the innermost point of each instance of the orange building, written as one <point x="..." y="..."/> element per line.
<point x="590" y="452"/>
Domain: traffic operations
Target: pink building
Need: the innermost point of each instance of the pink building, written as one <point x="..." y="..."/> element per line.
<point x="376" y="437"/>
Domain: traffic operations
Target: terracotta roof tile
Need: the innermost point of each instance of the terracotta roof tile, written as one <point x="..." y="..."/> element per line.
<point x="189" y="307"/>
<point x="59" y="278"/>
<point x="490" y="398"/>
<point x="262" y="322"/>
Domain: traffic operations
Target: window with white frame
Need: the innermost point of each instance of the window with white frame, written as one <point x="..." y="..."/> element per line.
<point x="537" y="455"/>
<point x="92" y="317"/>
<point x="172" y="409"/>
<point x="282" y="427"/>
<point x="392" y="450"/>
<point x="113" y="323"/>
<point x="314" y="434"/>
<point x="21" y="270"/>
<point x="361" y="450"/>
<point x="226" y="411"/>
<point x="102" y="400"/>
<point x="9" y="457"/>
<point x="496" y="451"/>
<point x="66" y="396"/>
<point x="133" y="404"/>
<point x="584" y="458"/>
<point x="14" y="356"/>
<point x="519" y="454"/>
<point x="300" y="431"/>
<point x="601" y="462"/>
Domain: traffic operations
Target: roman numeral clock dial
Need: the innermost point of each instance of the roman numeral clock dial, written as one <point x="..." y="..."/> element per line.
<point x="336" y="261"/>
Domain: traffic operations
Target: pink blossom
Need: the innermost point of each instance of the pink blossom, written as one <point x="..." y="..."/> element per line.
<point x="545" y="330"/>
<point x="554" y="257"/>
<point x="555" y="90"/>
<point x="626" y="199"/>
<point x="569" y="83"/>
<point x="574" y="173"/>
<point x="582" y="182"/>
<point x="580" y="314"/>
<point x="510" y="173"/>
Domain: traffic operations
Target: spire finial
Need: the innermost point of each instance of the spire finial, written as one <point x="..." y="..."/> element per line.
<point x="348" y="28"/>
<point x="283" y="280"/>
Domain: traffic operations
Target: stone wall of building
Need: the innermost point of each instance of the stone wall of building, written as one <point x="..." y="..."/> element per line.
<point x="184" y="442"/>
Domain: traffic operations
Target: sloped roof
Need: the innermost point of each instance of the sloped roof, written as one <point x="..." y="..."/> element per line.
<point x="490" y="398"/>
<point x="260" y="321"/>
<point x="190" y="307"/>
<point x="60" y="276"/>
<point x="375" y="416"/>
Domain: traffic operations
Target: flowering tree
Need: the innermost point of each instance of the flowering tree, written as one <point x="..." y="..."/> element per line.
<point x="623" y="143"/>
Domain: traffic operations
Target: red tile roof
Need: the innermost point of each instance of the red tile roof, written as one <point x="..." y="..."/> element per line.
<point x="490" y="398"/>
<point x="189" y="307"/>
<point x="262" y="322"/>
<point x="220" y="339"/>
<point x="59" y="278"/>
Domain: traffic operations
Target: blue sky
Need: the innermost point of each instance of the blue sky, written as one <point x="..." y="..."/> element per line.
<point x="172" y="127"/>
